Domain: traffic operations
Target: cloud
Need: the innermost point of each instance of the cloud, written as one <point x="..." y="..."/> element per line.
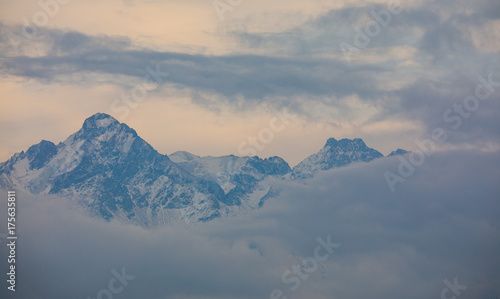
<point x="440" y="224"/>
<point x="299" y="68"/>
<point x="253" y="77"/>
<point x="439" y="32"/>
<point x="434" y="103"/>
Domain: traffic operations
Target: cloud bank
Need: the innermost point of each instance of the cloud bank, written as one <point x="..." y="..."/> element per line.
<point x="441" y="224"/>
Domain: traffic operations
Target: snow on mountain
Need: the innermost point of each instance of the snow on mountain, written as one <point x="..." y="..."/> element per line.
<point x="335" y="154"/>
<point x="243" y="179"/>
<point x="219" y="169"/>
<point x="111" y="171"/>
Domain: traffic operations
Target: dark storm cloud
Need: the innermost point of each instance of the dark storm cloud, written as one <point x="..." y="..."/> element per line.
<point x="440" y="224"/>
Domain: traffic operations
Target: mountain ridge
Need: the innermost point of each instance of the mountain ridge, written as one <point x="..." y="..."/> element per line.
<point x="108" y="168"/>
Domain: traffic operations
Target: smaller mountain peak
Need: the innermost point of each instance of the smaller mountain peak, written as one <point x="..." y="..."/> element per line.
<point x="344" y="141"/>
<point x="398" y="152"/>
<point x="271" y="166"/>
<point x="39" y="154"/>
<point x="46" y="143"/>
<point x="43" y="145"/>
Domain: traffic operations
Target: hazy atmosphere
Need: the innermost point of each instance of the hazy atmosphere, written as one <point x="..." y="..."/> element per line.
<point x="226" y="76"/>
<point x="247" y="149"/>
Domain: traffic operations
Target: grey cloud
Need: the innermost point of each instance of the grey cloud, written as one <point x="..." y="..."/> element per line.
<point x="427" y="101"/>
<point x="440" y="224"/>
<point x="54" y="42"/>
<point x="439" y="30"/>
<point x="254" y="77"/>
<point x="75" y="42"/>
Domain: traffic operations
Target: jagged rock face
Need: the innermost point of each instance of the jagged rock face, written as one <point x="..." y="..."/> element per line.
<point x="114" y="173"/>
<point x="40" y="154"/>
<point x="335" y="154"/>
<point x="108" y="169"/>
<point x="241" y="178"/>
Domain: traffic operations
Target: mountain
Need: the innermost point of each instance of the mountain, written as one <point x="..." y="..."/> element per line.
<point x="113" y="173"/>
<point x="335" y="153"/>
<point x="398" y="152"/>
<point x="243" y="179"/>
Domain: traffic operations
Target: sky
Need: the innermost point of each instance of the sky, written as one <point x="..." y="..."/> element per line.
<point x="204" y="76"/>
<point x="208" y="77"/>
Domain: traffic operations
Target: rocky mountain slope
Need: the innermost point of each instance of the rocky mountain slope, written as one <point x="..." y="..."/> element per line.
<point x="335" y="154"/>
<point x="108" y="169"/>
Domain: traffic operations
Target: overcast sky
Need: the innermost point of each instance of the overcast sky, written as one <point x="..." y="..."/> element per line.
<point x="230" y="68"/>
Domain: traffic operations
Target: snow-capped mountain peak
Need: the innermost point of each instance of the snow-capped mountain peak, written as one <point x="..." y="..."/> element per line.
<point x="335" y="153"/>
<point x="114" y="173"/>
<point x="101" y="129"/>
<point x="111" y="171"/>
